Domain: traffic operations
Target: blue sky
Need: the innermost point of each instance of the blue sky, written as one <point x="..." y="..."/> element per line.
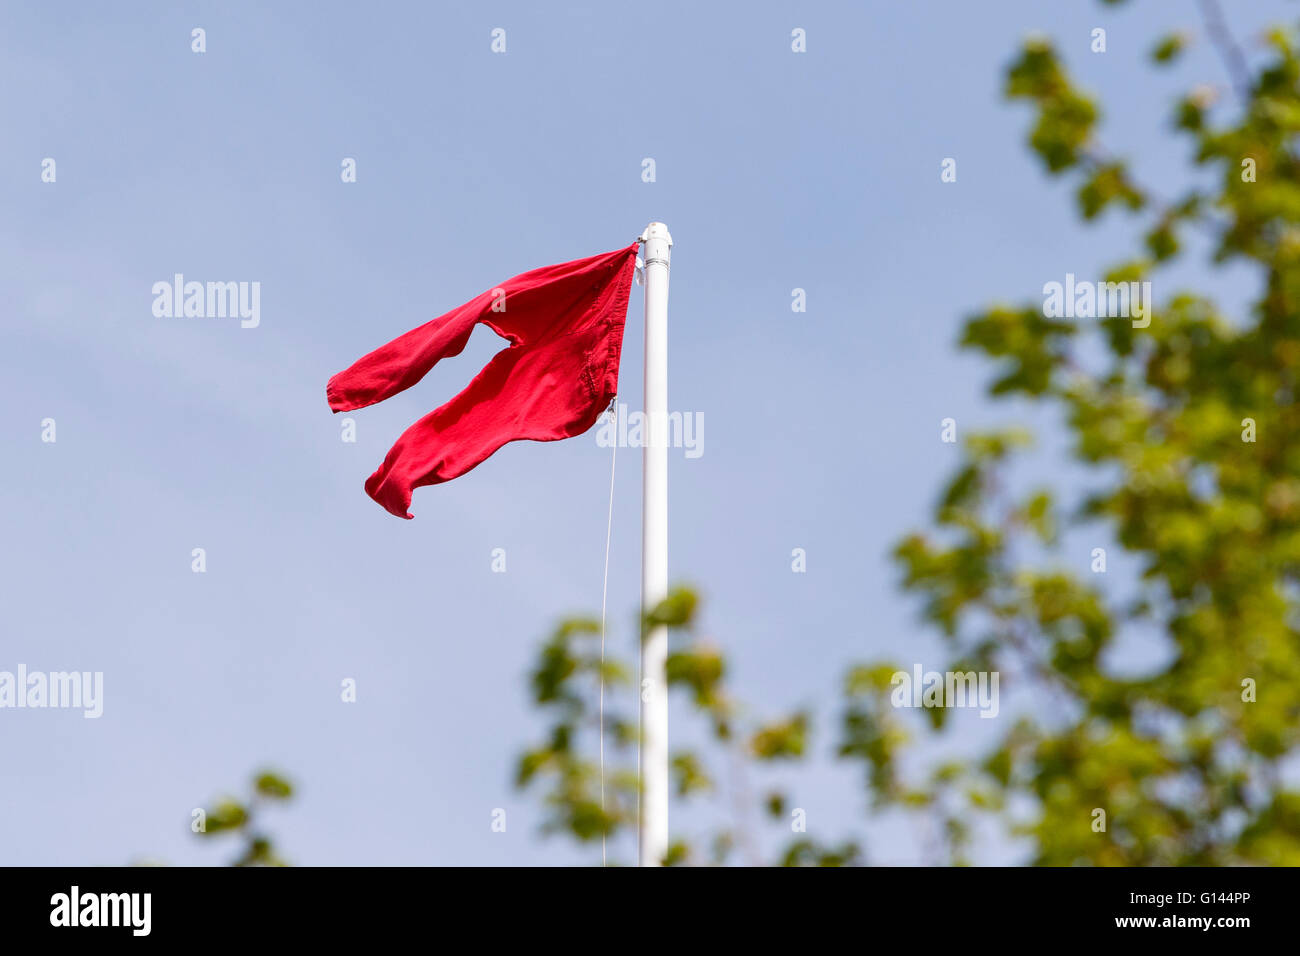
<point x="774" y="170"/>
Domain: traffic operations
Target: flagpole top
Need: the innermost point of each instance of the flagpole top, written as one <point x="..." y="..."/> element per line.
<point x="656" y="230"/>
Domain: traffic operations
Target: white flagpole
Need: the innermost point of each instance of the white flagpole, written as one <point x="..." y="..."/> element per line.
<point x="653" y="835"/>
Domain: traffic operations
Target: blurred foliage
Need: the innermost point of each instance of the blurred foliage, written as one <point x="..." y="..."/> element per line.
<point x="565" y="685"/>
<point x="232" y="816"/>
<point x="1180" y="433"/>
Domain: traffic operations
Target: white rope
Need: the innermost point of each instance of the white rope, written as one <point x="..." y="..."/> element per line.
<point x="604" y="591"/>
<point x="640" y="636"/>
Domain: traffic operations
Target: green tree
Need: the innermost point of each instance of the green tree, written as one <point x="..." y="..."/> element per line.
<point x="1179" y="434"/>
<point x="232" y="816"/>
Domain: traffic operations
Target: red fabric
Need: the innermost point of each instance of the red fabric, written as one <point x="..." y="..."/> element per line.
<point x="565" y="328"/>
